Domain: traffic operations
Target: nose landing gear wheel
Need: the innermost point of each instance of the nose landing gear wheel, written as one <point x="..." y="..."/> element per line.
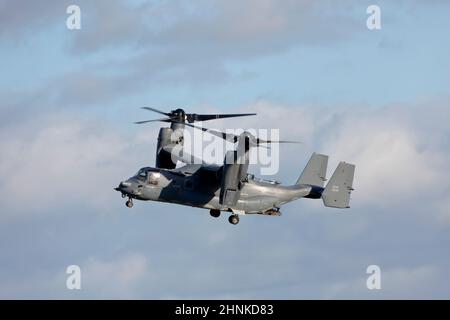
<point x="129" y="203"/>
<point x="214" y="213"/>
<point x="233" y="219"/>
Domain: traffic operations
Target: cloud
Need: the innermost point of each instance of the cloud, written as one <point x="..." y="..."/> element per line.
<point x="63" y="161"/>
<point x="420" y="282"/>
<point x="120" y="277"/>
<point x="65" y="145"/>
<point x="117" y="278"/>
<point x="154" y="45"/>
<point x="177" y="42"/>
<point x="214" y="29"/>
<point x="202" y="22"/>
<point x="400" y="151"/>
<point x="394" y="162"/>
<point x="396" y="158"/>
<point x="21" y="17"/>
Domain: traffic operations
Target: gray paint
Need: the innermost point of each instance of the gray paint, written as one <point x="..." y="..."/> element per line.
<point x="315" y="171"/>
<point x="200" y="186"/>
<point x="228" y="187"/>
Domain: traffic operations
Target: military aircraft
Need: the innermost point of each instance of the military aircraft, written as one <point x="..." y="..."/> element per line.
<point x="228" y="187"/>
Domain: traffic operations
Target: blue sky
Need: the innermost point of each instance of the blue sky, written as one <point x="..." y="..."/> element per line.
<point x="408" y="55"/>
<point x="379" y="99"/>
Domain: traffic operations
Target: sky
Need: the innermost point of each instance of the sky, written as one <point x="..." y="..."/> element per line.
<point x="377" y="98"/>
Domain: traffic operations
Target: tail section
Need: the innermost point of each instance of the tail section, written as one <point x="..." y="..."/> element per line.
<point x="315" y="171"/>
<point x="338" y="189"/>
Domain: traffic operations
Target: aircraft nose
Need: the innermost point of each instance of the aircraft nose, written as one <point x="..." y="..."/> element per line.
<point x="122" y="185"/>
<point x="125" y="184"/>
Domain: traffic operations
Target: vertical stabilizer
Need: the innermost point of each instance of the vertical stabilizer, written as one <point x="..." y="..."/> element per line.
<point x="315" y="171"/>
<point x="338" y="189"/>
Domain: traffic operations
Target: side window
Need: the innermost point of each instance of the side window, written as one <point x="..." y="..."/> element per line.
<point x="153" y="178"/>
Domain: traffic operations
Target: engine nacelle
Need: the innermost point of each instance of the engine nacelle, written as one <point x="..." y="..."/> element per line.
<point x="229" y="189"/>
<point x="163" y="158"/>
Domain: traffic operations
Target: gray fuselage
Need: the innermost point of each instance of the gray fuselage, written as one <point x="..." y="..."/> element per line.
<point x="199" y="186"/>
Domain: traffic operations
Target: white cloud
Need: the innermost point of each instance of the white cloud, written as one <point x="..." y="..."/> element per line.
<point x="61" y="164"/>
<point x="420" y="282"/>
<point x="64" y="162"/>
<point x="399" y="151"/>
<point x="397" y="158"/>
<point x="120" y="278"/>
<point x="390" y="165"/>
<point x="86" y="161"/>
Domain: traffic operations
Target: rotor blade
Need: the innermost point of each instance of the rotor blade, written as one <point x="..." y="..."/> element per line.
<point x="258" y="145"/>
<point x="258" y="141"/>
<point x="192" y="117"/>
<point x="154" y="120"/>
<point x="225" y="136"/>
<point x="156" y="110"/>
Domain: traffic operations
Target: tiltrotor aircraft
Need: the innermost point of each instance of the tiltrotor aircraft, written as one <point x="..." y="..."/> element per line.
<point x="228" y="187"/>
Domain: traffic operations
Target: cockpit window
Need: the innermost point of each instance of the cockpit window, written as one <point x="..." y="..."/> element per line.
<point x="153" y="178"/>
<point x="148" y="175"/>
<point x="142" y="175"/>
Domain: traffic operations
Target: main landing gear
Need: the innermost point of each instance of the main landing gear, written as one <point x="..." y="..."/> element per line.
<point x="214" y="213"/>
<point x="234" y="219"/>
<point x="129" y="203"/>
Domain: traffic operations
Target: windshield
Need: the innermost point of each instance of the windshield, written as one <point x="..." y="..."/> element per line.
<point x="141" y="175"/>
